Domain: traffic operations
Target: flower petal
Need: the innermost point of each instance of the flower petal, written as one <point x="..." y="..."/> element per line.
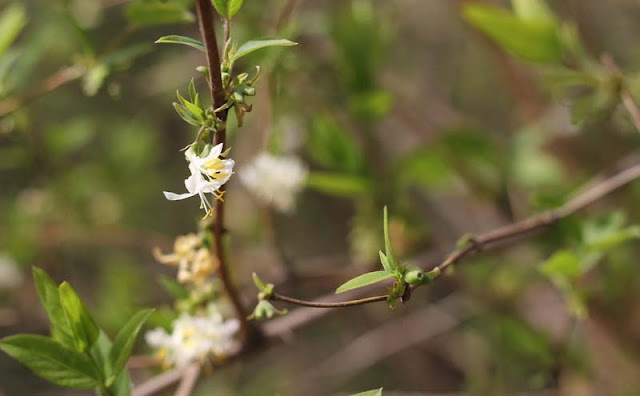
<point x="176" y="197"/>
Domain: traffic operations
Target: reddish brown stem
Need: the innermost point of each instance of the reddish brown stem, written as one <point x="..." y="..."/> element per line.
<point x="206" y="18"/>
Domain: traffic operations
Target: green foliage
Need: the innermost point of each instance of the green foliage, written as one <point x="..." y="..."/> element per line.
<point x="79" y="355"/>
<point x="254" y="45"/>
<point x="85" y="332"/>
<point x="530" y="39"/>
<point x="228" y="8"/>
<point x="175" y="39"/>
<point x="123" y="343"/>
<point x="364" y="280"/>
<point x="158" y="12"/>
<point x="52" y="361"/>
<point x="50" y="298"/>
<point x="12" y="20"/>
<point x="533" y="10"/>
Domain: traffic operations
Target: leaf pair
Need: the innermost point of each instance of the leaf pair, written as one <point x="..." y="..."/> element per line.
<point x="244" y="49"/>
<point x="79" y="354"/>
<point x="392" y="269"/>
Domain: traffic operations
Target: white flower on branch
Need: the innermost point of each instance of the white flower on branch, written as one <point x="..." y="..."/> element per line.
<point x="208" y="174"/>
<point x="195" y="339"/>
<point x="275" y="180"/>
<point x="194" y="260"/>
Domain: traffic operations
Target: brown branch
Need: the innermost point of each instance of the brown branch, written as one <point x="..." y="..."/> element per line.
<point x="315" y="304"/>
<point x="205" y="13"/>
<point x="58" y="79"/>
<point x="480" y="242"/>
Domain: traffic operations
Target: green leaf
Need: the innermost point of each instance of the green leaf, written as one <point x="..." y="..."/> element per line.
<point x="100" y="354"/>
<point x="375" y="392"/>
<point x="613" y="239"/>
<point x="228" y="8"/>
<point x="387" y="242"/>
<point x="533" y="10"/>
<point x="563" y="267"/>
<point x="339" y="184"/>
<point x="85" y="331"/>
<point x="175" y="39"/>
<point x="529" y="40"/>
<point x="364" y="280"/>
<point x="12" y="21"/>
<point x="124" y="341"/>
<point x="385" y="262"/>
<point x="50" y="297"/>
<point x="254" y="45"/>
<point x="52" y="361"/>
<point x="157" y="12"/>
<point x="186" y="114"/>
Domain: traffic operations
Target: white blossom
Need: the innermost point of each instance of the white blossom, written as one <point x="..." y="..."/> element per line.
<point x="10" y="275"/>
<point x="275" y="180"/>
<point x="195" y="338"/>
<point x="208" y="174"/>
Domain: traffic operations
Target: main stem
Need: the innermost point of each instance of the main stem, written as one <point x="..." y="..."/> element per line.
<point x="206" y="18"/>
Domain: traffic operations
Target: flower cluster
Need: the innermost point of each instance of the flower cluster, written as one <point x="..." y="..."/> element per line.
<point x="194" y="260"/>
<point x="275" y="180"/>
<point x="208" y="174"/>
<point x="195" y="339"/>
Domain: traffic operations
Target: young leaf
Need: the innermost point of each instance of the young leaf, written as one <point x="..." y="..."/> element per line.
<point x="85" y="331"/>
<point x="529" y="40"/>
<point x="387" y="242"/>
<point x="385" y="262"/>
<point x="175" y="39"/>
<point x="12" y="21"/>
<point x="375" y="392"/>
<point x="364" y="280"/>
<point x="254" y="45"/>
<point x="52" y="361"/>
<point x="100" y="354"/>
<point x="123" y="343"/>
<point x="50" y="297"/>
<point x="228" y="8"/>
<point x="157" y="12"/>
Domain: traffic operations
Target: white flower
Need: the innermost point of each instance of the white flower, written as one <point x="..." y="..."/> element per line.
<point x="275" y="180"/>
<point x="10" y="275"/>
<point x="208" y="174"/>
<point x="195" y="338"/>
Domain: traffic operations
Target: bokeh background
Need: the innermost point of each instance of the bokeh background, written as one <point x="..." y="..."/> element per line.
<point x="397" y="103"/>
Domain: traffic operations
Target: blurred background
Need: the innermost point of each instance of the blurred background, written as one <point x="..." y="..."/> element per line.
<point x="399" y="103"/>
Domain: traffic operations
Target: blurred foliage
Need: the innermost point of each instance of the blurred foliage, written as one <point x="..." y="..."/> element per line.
<point x="460" y="116"/>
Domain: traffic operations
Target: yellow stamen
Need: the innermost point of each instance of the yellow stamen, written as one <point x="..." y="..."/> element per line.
<point x="221" y="175"/>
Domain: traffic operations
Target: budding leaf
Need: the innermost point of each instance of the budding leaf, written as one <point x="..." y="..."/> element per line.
<point x="157" y="12"/>
<point x="50" y="297"/>
<point x="387" y="243"/>
<point x="85" y="331"/>
<point x="52" y="361"/>
<point x="12" y="21"/>
<point x="228" y="8"/>
<point x="175" y="39"/>
<point x="254" y="45"/>
<point x="364" y="280"/>
<point x="532" y="10"/>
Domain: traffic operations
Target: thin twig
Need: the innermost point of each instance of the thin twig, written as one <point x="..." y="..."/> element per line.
<point x="159" y="382"/>
<point x="314" y="304"/>
<point x="205" y="13"/>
